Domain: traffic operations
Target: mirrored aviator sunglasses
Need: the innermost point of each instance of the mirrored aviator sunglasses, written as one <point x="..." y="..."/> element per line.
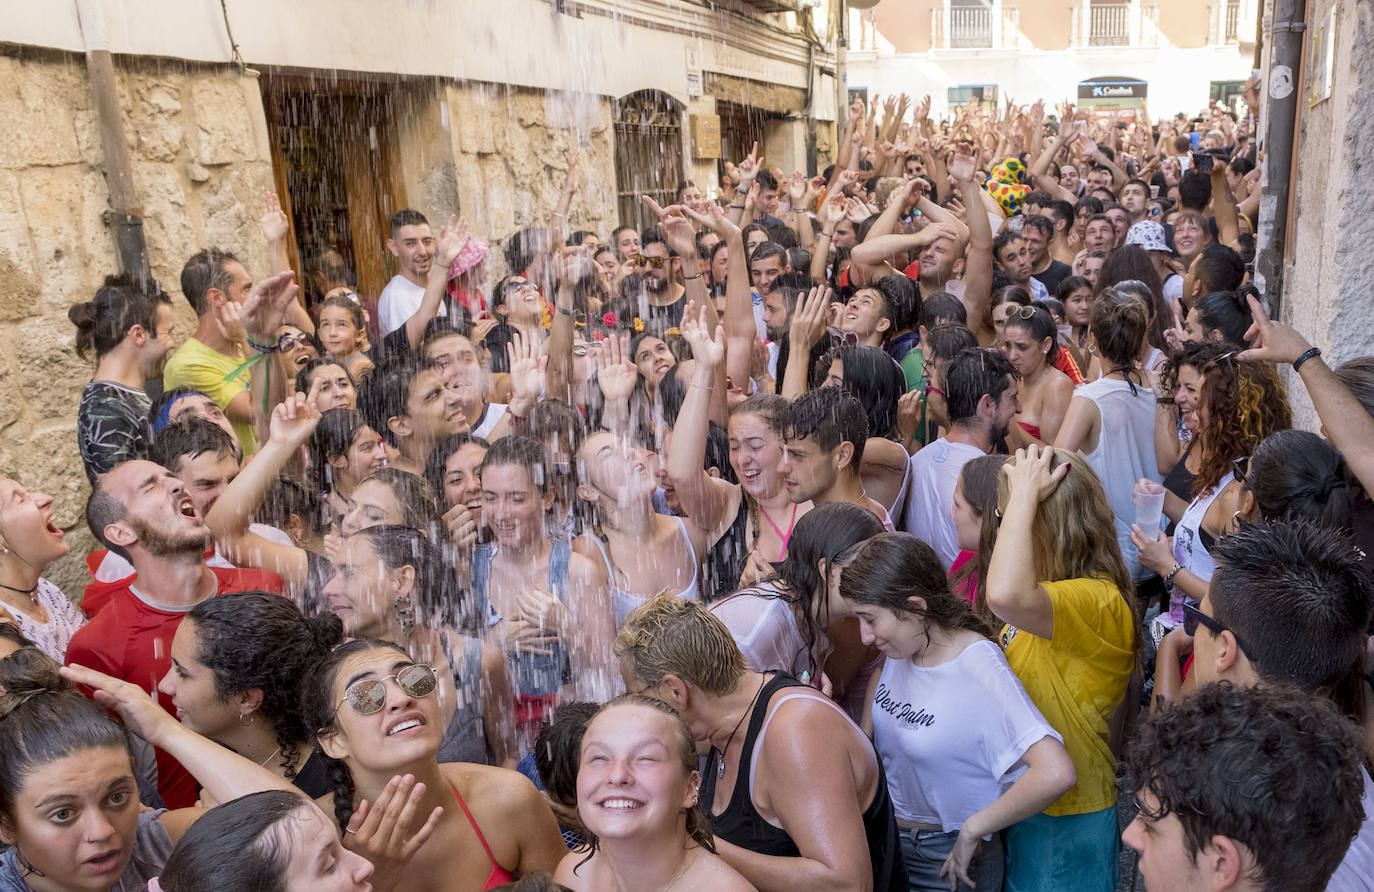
<point x="369" y="695"/>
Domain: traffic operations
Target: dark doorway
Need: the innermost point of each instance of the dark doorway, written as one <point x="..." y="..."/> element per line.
<point x="648" y="154"/>
<point x="740" y="127"/>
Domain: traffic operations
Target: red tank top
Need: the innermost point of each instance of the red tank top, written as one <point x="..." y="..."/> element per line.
<point x="499" y="876"/>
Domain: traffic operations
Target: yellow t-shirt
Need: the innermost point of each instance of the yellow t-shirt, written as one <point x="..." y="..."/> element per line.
<point x="196" y="366"/>
<point x="1077" y="679"/>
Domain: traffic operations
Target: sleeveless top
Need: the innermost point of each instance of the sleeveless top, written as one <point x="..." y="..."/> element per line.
<point x="1179" y="480"/>
<point x="1189" y="549"/>
<point x="531" y="674"/>
<point x="499" y="876"/>
<point x="64" y="618"/>
<point x="742" y="825"/>
<point x="1125" y="452"/>
<point x="899" y="501"/>
<point x="725" y="559"/>
<point x="624" y="602"/>
<point x="465" y="739"/>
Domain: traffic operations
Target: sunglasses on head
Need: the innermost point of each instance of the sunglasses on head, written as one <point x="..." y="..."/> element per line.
<point x="1193" y="617"/>
<point x="1027" y="313"/>
<point x="368" y="696"/>
<point x="655" y="262"/>
<point x="1240" y="468"/>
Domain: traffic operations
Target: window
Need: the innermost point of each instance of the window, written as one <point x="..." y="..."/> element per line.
<point x="648" y="153"/>
<point x="1109" y="24"/>
<point x="970" y="24"/>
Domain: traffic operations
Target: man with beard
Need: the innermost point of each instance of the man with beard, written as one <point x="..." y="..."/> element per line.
<point x="823" y="434"/>
<point x="981" y="392"/>
<point x="130" y="329"/>
<point x="407" y="403"/>
<point x="666" y="295"/>
<point x="142" y="512"/>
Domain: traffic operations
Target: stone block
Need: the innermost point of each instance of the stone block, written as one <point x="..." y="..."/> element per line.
<point x="54" y="203"/>
<point x="47" y="372"/>
<point x="224" y="128"/>
<point x="167" y="225"/>
<point x="19" y="296"/>
<point x="38" y="105"/>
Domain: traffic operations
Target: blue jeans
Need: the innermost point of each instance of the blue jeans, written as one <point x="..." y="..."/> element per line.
<point x="925" y="852"/>
<point x="1049" y="854"/>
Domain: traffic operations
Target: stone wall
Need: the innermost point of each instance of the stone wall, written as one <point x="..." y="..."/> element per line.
<point x="200" y="162"/>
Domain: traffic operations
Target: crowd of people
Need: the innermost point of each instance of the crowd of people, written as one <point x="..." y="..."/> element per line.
<point x="869" y="531"/>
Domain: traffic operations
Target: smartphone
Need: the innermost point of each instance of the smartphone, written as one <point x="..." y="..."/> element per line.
<point x="1195" y="138"/>
<point x="1154" y="190"/>
<point x="1203" y="161"/>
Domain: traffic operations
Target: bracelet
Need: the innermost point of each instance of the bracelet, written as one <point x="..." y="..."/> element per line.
<point x="825" y="234"/>
<point x="1169" y="577"/>
<point x="556" y="214"/>
<point x="273" y="348"/>
<point x="564" y="311"/>
<point x="690" y="278"/>
<point x="738" y="207"/>
<point x="1311" y="352"/>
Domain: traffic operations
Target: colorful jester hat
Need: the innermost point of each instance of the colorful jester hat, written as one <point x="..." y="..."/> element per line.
<point x="1005" y="185"/>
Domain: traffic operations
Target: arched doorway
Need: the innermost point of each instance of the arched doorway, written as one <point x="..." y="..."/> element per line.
<point x="648" y="153"/>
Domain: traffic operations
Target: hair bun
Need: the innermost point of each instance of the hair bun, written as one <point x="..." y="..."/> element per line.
<point x="327" y="630"/>
<point x="25" y="674"/>
<point x="83" y="315"/>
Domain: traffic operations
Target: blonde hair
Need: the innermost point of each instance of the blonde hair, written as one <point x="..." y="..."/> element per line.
<point x="1074" y="533"/>
<point x="672" y="636"/>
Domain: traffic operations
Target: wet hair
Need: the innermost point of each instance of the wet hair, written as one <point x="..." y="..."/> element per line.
<point x="333" y="437"/>
<point x="1056" y="210"/>
<point x="1298" y="593"/>
<point x="303" y="376"/>
<point x="1004" y="238"/>
<point x="1068" y="285"/>
<point x="1037" y="197"/>
<point x="11" y="633"/>
<point x="1117" y="323"/>
<point x="1252" y="764"/>
<point x="1219" y="268"/>
<point x="119" y="304"/>
<point x="1041" y="224"/>
<point x="1090" y="204"/>
<point x="944" y="342"/>
<point x="578" y="237"/>
<point x="1010" y="294"/>
<point x="103" y="509"/>
<point x="43" y="719"/>
<point x="829" y="416"/>
<point x="255" y="640"/>
<point x="830" y="532"/>
<point x="1295" y="474"/>
<point x="320" y="710"/>
<point x="436" y="464"/>
<point x="526" y="452"/>
<point x="190" y="439"/>
<point x="974" y="373"/>
<point x="557" y="419"/>
<point x="892" y="568"/>
<point x="1358" y="377"/>
<point x="558" y="749"/>
<point x="1039" y="326"/>
<point x="978" y="487"/>
<point x="768" y="406"/>
<point x="1131" y="263"/>
<point x="877" y="382"/>
<point x="652" y="235"/>
<point x="437" y="598"/>
<point x="765" y="250"/>
<point x="405" y="217"/>
<point x="287" y="497"/>
<point x="1226" y="312"/>
<point x="901" y="302"/>
<point x="385" y="394"/>
<point x="1243" y="402"/>
<point x="205" y="270"/>
<point x="419" y="508"/>
<point x="698" y="826"/>
<point x="1194" y="190"/>
<point x="668" y="635"/>
<point x="799" y="258"/>
<point x="239" y="846"/>
<point x="943" y="305"/>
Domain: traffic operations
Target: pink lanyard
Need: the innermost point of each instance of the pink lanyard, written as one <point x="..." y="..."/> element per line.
<point x="781" y="535"/>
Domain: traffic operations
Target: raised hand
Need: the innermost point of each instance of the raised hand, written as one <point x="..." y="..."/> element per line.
<point x="856" y="111"/>
<point x="676" y="228"/>
<point x="615" y="369"/>
<point x="1029" y="475"/>
<point x="229" y="323"/>
<point x="452" y="238"/>
<point x="262" y="311"/>
<point x="707" y="341"/>
<point x="140" y="712"/>
<point x="749" y="168"/>
<point x="570" y="185"/>
<point x="714" y="219"/>
<point x="295" y="418"/>
<point x="1272" y="341"/>
<point x="273" y="219"/>
<point x="384" y="832"/>
<point x="810" y="319"/>
<point x="527" y="367"/>
<point x="844" y="180"/>
<point x="796" y="189"/>
<point x="962" y="167"/>
<point x="832" y="212"/>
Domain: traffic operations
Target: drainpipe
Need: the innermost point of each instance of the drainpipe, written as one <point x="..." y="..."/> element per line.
<point x="124" y="215"/>
<point x="841" y="74"/>
<point x="1287" y="26"/>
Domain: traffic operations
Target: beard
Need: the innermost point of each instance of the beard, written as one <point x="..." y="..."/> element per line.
<point x="160" y="544"/>
<point x="654" y="285"/>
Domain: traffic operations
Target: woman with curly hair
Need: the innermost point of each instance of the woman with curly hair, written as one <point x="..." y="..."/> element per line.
<point x="238" y="665"/>
<point x="637" y="794"/>
<point x="1239" y="403"/>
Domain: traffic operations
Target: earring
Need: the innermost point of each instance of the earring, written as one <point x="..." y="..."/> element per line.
<point x="251" y="720"/>
<point x="405" y="614"/>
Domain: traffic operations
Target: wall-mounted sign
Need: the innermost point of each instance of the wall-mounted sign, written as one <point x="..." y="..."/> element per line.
<point x="694" y="87"/>
<point x="705" y="132"/>
<point x="1112" y="88"/>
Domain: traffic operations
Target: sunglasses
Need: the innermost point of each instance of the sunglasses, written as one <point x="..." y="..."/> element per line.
<point x="1025" y="313"/>
<point x="1240" y="468"/>
<point x="286" y="341"/>
<point x="655" y="262"/>
<point x="1193" y="617"/>
<point x="517" y="284"/>
<point x="369" y="695"/>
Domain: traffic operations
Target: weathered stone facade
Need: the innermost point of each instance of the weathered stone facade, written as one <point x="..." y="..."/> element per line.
<point x="200" y="163"/>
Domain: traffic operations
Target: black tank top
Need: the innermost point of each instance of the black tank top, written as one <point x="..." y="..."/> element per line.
<point x="742" y="825"/>
<point x="726" y="559"/>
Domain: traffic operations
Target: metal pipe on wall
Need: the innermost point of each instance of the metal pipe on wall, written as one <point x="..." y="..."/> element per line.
<point x="1285" y="35"/>
<point x="125" y="214"/>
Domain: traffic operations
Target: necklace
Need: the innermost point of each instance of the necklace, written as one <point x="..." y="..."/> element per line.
<point x="720" y="764"/>
<point x="263" y="763"/>
<point x="31" y="592"/>
<point x="687" y="862"/>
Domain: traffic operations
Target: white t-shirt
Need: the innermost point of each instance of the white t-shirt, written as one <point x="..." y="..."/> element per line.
<point x="764" y="629"/>
<point x="399" y="301"/>
<point x="930" y="496"/>
<point x="1356" y="872"/>
<point x="491" y="416"/>
<point x="1038" y="290"/>
<point x="952" y="736"/>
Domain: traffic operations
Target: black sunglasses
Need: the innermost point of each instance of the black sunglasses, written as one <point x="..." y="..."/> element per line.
<point x="655" y="262"/>
<point x="1240" y="468"/>
<point x="1192" y="617"/>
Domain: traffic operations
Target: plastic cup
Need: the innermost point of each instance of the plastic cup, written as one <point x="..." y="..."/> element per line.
<point x="1149" y="506"/>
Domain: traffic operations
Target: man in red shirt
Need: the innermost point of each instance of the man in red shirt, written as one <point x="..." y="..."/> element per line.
<point x="142" y="512"/>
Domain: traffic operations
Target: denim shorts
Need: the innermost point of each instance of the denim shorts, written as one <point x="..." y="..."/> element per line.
<point x="925" y="852"/>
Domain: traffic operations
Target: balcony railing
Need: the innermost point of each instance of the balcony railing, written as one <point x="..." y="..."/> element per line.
<point x="1109" y="24"/>
<point x="1232" y="22"/>
<point x="970" y="27"/>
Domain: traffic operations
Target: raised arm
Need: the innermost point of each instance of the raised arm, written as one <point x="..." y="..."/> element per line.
<point x="276" y="229"/>
<point x="452" y="237"/>
<point x="1040" y="169"/>
<point x="1224" y="206"/>
<point x="1014" y="595"/>
<point x="832" y="213"/>
<point x="746" y="170"/>
<point x="977" y="296"/>
<point x="809" y="321"/>
<point x="293" y="421"/>
<point x="704" y="498"/>
<point x="740" y="330"/>
<point x="264" y="311"/>
<point x="570" y="265"/>
<point x="558" y="220"/>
